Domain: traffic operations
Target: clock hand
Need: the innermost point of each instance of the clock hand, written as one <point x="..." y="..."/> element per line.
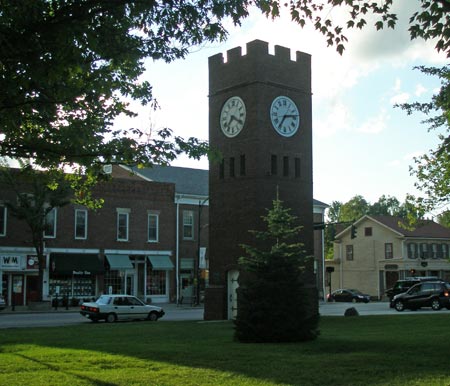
<point x="282" y="120"/>
<point x="233" y="117"/>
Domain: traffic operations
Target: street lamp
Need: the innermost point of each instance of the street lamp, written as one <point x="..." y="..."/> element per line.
<point x="197" y="265"/>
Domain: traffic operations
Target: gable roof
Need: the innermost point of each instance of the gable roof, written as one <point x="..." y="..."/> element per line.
<point x="425" y="228"/>
<point x="187" y="180"/>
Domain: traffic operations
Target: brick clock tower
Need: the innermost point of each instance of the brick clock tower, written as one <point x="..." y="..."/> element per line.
<point x="260" y="122"/>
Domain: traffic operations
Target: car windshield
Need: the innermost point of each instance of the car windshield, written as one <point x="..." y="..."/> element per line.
<point x="103" y="299"/>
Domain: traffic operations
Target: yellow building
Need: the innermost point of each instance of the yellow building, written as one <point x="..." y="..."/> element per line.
<point x="376" y="251"/>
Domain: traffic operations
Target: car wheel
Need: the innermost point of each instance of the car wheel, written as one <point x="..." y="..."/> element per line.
<point x="399" y="306"/>
<point x="436" y="304"/>
<point x="111" y="318"/>
<point x="354" y="300"/>
<point x="152" y="316"/>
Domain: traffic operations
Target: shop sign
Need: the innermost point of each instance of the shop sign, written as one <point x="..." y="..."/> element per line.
<point x="10" y="262"/>
<point x="32" y="262"/>
<point x="202" y="258"/>
<point x="81" y="273"/>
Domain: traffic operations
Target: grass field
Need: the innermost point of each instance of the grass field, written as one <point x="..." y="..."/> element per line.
<point x="364" y="350"/>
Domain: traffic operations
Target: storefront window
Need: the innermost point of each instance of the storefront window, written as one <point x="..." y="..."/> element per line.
<point x="156" y="283"/>
<point x="72" y="286"/>
<point x="114" y="282"/>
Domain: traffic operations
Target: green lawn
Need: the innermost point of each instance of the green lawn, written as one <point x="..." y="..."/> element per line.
<point x="364" y="350"/>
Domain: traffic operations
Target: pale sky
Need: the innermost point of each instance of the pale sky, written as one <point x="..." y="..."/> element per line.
<point x="362" y="144"/>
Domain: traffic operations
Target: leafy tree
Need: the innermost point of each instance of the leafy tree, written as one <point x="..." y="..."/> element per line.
<point x="444" y="219"/>
<point x="355" y="208"/>
<point x="66" y="66"/>
<point x="37" y="194"/>
<point x="433" y="170"/>
<point x="273" y="305"/>
<point x="386" y="205"/>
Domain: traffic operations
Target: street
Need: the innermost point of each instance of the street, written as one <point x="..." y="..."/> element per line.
<point x="173" y="313"/>
<point x="60" y="318"/>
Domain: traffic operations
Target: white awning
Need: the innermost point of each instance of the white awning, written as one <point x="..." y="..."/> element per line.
<point x="160" y="262"/>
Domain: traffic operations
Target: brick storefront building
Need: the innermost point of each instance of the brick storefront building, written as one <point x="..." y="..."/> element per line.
<point x="143" y="241"/>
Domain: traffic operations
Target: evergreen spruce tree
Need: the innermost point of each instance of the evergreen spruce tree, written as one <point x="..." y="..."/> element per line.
<point x="272" y="301"/>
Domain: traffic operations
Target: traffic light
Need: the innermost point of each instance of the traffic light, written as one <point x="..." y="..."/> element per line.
<point x="353" y="232"/>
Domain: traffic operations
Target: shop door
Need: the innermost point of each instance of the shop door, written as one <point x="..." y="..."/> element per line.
<point x="233" y="285"/>
<point x="391" y="278"/>
<point x="130" y="285"/>
<point x="5" y="288"/>
<point x="187" y="287"/>
<point x="17" y="290"/>
<point x="32" y="289"/>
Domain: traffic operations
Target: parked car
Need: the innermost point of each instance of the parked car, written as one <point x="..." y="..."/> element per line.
<point x="2" y="303"/>
<point x="434" y="294"/>
<point x="348" y="295"/>
<point x="404" y="285"/>
<point x="111" y="308"/>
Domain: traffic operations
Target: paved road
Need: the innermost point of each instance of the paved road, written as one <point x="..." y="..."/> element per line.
<point x="372" y="308"/>
<point x="62" y="317"/>
<point x="173" y="313"/>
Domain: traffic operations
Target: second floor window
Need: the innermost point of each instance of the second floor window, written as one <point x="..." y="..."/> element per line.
<point x="50" y="224"/>
<point x="153" y="225"/>
<point x="3" y="212"/>
<point x="412" y="251"/>
<point x="122" y="224"/>
<point x="188" y="225"/>
<point x="388" y="251"/>
<point x="80" y="224"/>
<point x="349" y="252"/>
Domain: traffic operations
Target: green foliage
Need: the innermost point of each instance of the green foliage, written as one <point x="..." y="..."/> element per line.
<point x="444" y="219"/>
<point x="273" y="303"/>
<point x="430" y="21"/>
<point x="66" y="66"/>
<point x="432" y="170"/>
<point x="37" y="193"/>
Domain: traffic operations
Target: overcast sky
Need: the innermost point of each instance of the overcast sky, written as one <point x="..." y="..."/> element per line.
<point x="362" y="144"/>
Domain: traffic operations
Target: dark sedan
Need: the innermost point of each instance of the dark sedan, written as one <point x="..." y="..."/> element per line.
<point x="348" y="295"/>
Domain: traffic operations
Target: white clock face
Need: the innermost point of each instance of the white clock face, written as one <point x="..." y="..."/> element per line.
<point x="284" y="116"/>
<point x="232" y="116"/>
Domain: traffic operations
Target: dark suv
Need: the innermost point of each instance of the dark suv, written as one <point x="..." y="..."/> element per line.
<point x="434" y="294"/>
<point x="405" y="284"/>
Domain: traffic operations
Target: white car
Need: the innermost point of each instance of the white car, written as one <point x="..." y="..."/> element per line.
<point x="111" y="308"/>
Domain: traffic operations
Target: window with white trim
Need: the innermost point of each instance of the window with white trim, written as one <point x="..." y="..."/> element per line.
<point x="3" y="214"/>
<point x="188" y="225"/>
<point x="123" y="218"/>
<point x="50" y="224"/>
<point x="445" y="251"/>
<point x="153" y="228"/>
<point x="388" y="251"/>
<point x="81" y="217"/>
